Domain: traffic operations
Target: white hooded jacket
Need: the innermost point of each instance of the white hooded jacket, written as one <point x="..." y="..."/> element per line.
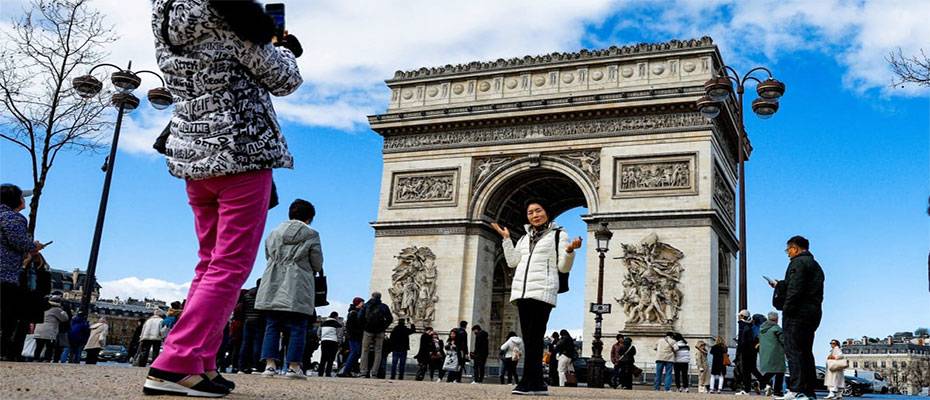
<point x="511" y="346"/>
<point x="537" y="275"/>
<point x="153" y="329"/>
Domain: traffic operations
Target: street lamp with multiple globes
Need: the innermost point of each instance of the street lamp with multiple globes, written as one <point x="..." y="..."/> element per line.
<point x="718" y="90"/>
<point x="124" y="81"/>
<point x="596" y="363"/>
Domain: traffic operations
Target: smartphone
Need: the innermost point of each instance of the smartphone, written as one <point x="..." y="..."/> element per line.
<point x="276" y="11"/>
<point x="49" y="242"/>
<point x="770" y="280"/>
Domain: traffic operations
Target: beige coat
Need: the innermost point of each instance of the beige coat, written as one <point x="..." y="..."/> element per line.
<point x="835" y="381"/>
<point x="665" y="349"/>
<point x="98" y="336"/>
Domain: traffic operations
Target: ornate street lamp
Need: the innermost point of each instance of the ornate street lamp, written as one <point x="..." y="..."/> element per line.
<point x="596" y="362"/>
<point x="125" y="81"/>
<point x="718" y="90"/>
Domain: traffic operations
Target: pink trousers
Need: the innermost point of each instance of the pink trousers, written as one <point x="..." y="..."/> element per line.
<point x="229" y="216"/>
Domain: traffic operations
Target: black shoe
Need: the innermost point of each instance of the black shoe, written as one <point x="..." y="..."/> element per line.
<point x="521" y="390"/>
<point x="220" y="380"/>
<point x="160" y="382"/>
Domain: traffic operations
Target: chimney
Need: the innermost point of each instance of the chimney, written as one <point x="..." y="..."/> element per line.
<point x="865" y="340"/>
<point x="890" y="340"/>
<point x="849" y="342"/>
<point x="74" y="277"/>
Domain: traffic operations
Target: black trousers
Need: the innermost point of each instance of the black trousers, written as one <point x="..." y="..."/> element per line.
<point x="534" y="315"/>
<point x="779" y="381"/>
<point x="799" y="344"/>
<point x="509" y="371"/>
<point x="45" y="350"/>
<point x="10" y="299"/>
<point x="681" y="375"/>
<point x="146" y="346"/>
<point x="480" y="363"/>
<point x="626" y="375"/>
<point x="93" y="355"/>
<point x="748" y="369"/>
<point x="328" y="357"/>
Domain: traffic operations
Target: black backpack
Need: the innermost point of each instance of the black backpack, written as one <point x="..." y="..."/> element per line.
<point x="375" y="318"/>
<point x="563" y="276"/>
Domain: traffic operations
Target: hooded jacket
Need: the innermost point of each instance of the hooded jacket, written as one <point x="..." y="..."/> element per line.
<point x="511" y="346"/>
<point x="537" y="274"/>
<point x="48" y="329"/>
<point x="665" y="349"/>
<point x="153" y="329"/>
<point x="331" y="330"/>
<point x="294" y="255"/>
<point x="223" y="122"/>
<point x="98" y="336"/>
<point x="771" y="348"/>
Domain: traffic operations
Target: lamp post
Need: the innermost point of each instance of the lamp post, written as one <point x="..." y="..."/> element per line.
<point x="596" y="363"/>
<point x="87" y="86"/>
<point x="718" y="90"/>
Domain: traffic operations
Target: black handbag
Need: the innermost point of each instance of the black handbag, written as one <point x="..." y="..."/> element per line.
<point x="319" y="282"/>
<point x="563" y="276"/>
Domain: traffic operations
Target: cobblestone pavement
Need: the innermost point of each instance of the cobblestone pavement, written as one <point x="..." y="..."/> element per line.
<point x="68" y="381"/>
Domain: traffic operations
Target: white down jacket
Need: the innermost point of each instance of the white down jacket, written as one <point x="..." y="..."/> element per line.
<point x="537" y="271"/>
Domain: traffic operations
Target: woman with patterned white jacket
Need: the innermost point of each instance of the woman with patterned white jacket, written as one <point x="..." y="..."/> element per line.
<point x="538" y="257"/>
<point x="221" y="60"/>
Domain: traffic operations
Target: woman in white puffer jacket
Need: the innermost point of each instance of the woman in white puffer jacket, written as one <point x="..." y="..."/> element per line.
<point x="538" y="257"/>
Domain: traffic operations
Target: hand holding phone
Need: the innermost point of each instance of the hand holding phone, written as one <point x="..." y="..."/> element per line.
<point x="771" y="282"/>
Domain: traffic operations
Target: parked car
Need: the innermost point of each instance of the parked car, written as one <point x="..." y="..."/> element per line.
<point x="114" y="352"/>
<point x="855" y="387"/>
<point x="878" y="381"/>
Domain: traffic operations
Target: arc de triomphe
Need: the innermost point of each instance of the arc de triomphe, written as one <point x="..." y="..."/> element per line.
<point x="613" y="130"/>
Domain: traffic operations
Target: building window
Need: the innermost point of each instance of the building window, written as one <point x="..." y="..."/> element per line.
<point x="883" y="364"/>
<point x="894" y="364"/>
<point x="855" y="364"/>
<point x="903" y="364"/>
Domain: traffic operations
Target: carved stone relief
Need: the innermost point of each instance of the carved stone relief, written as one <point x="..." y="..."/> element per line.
<point x="650" y="285"/>
<point x="588" y="161"/>
<point x="724" y="196"/>
<point x="424" y="188"/>
<point x="654" y="176"/>
<point x="413" y="286"/>
<point x="485" y="167"/>
<point x="541" y="131"/>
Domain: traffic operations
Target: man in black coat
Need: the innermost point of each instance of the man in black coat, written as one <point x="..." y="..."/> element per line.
<point x="800" y="297"/>
<point x="423" y="352"/>
<point x="400" y="341"/>
<point x="480" y="352"/>
<point x="461" y="342"/>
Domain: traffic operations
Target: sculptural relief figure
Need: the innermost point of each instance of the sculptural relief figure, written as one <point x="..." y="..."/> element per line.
<point x="589" y="162"/>
<point x="413" y="289"/>
<point x="651" y="294"/>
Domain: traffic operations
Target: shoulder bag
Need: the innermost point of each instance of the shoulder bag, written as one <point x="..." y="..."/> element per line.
<point x="563" y="276"/>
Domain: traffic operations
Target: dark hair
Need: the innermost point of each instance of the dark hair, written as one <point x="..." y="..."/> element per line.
<point x="799" y="241"/>
<point x="555" y="334"/>
<point x="511" y="334"/>
<point x="619" y="336"/>
<point x="401" y="321"/>
<point x="565" y="333"/>
<point x="530" y="201"/>
<point x="476" y="327"/>
<point x="334" y="314"/>
<point x="247" y="19"/>
<point x="301" y="210"/>
<point x="463" y="324"/>
<point x="175" y="305"/>
<point x="11" y="195"/>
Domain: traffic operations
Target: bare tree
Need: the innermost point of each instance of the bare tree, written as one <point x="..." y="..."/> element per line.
<point x="44" y="49"/>
<point x="914" y="69"/>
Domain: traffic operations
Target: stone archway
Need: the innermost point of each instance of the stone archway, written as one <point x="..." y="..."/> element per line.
<point x="502" y="201"/>
<point x="616" y="130"/>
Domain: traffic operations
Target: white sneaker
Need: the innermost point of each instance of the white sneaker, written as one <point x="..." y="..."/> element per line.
<point x="295" y="373"/>
<point x="269" y="372"/>
<point x="474" y="383"/>
<point x="687" y="390"/>
<point x="789" y="395"/>
<point x="742" y="393"/>
<point x="768" y="390"/>
<point x="438" y="380"/>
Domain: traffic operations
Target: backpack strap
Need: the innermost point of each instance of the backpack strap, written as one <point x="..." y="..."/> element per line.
<point x="558" y="232"/>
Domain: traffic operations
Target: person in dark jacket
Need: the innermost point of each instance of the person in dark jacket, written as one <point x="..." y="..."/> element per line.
<point x="253" y="332"/>
<point x="424" y="351"/>
<point x="134" y="341"/>
<point x="77" y="337"/>
<point x="627" y="360"/>
<point x="355" y="328"/>
<point x="718" y="368"/>
<point x="800" y="298"/>
<point x="553" y="360"/>
<point x="479" y="352"/>
<point x="16" y="243"/>
<point x="376" y="317"/>
<point x="746" y="353"/>
<point x="400" y="340"/>
<point x="615" y="352"/>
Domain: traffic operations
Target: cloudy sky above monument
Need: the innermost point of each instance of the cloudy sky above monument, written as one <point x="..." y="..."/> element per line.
<point x="844" y="162"/>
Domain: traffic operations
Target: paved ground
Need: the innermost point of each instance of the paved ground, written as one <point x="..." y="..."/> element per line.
<point x="57" y="381"/>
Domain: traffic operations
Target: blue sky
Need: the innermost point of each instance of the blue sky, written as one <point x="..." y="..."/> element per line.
<point x="844" y="162"/>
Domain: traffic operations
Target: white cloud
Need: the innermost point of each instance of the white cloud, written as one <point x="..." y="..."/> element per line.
<point x="139" y="288"/>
